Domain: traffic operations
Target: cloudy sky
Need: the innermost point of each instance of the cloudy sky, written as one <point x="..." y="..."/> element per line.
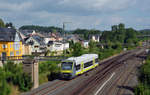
<point x="90" y="14"/>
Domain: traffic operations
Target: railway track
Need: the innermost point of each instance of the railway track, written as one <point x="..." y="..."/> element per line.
<point x="122" y="78"/>
<point x="125" y="82"/>
<point x="86" y="86"/>
<point x="43" y="91"/>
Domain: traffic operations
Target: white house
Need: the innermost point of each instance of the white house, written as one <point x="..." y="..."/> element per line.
<point x="57" y="46"/>
<point x="86" y="44"/>
<point x="37" y="44"/>
<point x="95" y="38"/>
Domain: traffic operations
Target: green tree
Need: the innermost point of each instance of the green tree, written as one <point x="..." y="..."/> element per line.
<point x="86" y="33"/>
<point x="2" y="24"/>
<point x="92" y="46"/>
<point x="10" y="24"/>
<point x="130" y="35"/>
<point x="4" y="87"/>
<point x="121" y="26"/>
<point x="24" y="81"/>
<point x="71" y="44"/>
<point x="77" y="49"/>
<point x="114" y="28"/>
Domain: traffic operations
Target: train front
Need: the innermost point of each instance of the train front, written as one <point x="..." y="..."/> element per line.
<point x="67" y="70"/>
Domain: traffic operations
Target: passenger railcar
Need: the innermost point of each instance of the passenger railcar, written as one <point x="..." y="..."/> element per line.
<point x="74" y="66"/>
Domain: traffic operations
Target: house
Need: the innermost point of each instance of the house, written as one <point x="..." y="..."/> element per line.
<point x="27" y="49"/>
<point x="37" y="43"/>
<point x="55" y="37"/>
<point x="57" y="46"/>
<point x="85" y="44"/>
<point x="26" y="32"/>
<point x="95" y="38"/>
<point x="10" y="42"/>
<point x="75" y="38"/>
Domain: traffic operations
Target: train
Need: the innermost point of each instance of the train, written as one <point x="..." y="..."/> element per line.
<point x="74" y="66"/>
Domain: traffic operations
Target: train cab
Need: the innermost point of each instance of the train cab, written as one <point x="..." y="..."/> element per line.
<point x="67" y="69"/>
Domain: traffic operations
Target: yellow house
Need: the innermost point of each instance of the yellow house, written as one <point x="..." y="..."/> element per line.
<point x="10" y="43"/>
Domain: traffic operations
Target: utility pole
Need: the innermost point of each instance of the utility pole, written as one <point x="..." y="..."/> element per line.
<point x="64" y="35"/>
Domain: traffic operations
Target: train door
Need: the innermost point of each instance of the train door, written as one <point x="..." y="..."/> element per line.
<point x="78" y="69"/>
<point x="74" y="70"/>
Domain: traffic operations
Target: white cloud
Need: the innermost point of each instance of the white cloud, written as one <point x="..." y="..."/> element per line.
<point x="82" y="13"/>
<point x="98" y="5"/>
<point x="15" y="6"/>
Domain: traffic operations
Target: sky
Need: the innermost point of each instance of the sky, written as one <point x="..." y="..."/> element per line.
<point x="89" y="14"/>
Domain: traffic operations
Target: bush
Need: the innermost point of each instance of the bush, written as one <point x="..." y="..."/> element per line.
<point x="144" y="87"/>
<point x="15" y="75"/>
<point x="48" y="70"/>
<point x="4" y="86"/>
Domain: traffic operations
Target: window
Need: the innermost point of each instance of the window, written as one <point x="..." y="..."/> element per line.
<point x="67" y="65"/>
<point x="11" y="53"/>
<point x="17" y="52"/>
<point x="36" y="46"/>
<point x="4" y="46"/>
<point x="78" y="67"/>
<point x="57" y="45"/>
<point x="16" y="46"/>
<point x="88" y="64"/>
<point x="10" y="45"/>
<point x="96" y="60"/>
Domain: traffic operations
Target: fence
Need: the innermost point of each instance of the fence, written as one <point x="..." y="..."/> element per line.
<point x="39" y="58"/>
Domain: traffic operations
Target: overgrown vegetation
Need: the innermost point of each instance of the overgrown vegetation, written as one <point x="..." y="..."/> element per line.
<point x="13" y="74"/>
<point x="48" y="71"/>
<point x="144" y="86"/>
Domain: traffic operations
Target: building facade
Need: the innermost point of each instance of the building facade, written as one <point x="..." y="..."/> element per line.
<point x="10" y="42"/>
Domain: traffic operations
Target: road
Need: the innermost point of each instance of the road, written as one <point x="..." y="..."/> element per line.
<point x="111" y="77"/>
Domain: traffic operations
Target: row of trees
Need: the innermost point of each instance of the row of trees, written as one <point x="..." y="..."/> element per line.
<point x="41" y="28"/>
<point x="86" y="33"/>
<point x="120" y="34"/>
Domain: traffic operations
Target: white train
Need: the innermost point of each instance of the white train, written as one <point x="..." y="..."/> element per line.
<point x="74" y="66"/>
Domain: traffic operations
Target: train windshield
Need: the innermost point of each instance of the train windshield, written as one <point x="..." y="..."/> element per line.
<point x="67" y="65"/>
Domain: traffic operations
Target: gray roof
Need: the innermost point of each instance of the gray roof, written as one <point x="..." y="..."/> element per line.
<point x="39" y="39"/>
<point x="7" y="34"/>
<point x="36" y="38"/>
<point x="26" y="32"/>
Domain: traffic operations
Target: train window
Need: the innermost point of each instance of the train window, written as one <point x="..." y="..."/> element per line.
<point x="88" y="64"/>
<point x="78" y="67"/>
<point x="96" y="60"/>
<point x="67" y="65"/>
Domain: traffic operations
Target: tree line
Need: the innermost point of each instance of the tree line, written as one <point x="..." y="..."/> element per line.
<point x="6" y="25"/>
<point x="46" y="29"/>
<point x="85" y="33"/>
<point x="120" y="34"/>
